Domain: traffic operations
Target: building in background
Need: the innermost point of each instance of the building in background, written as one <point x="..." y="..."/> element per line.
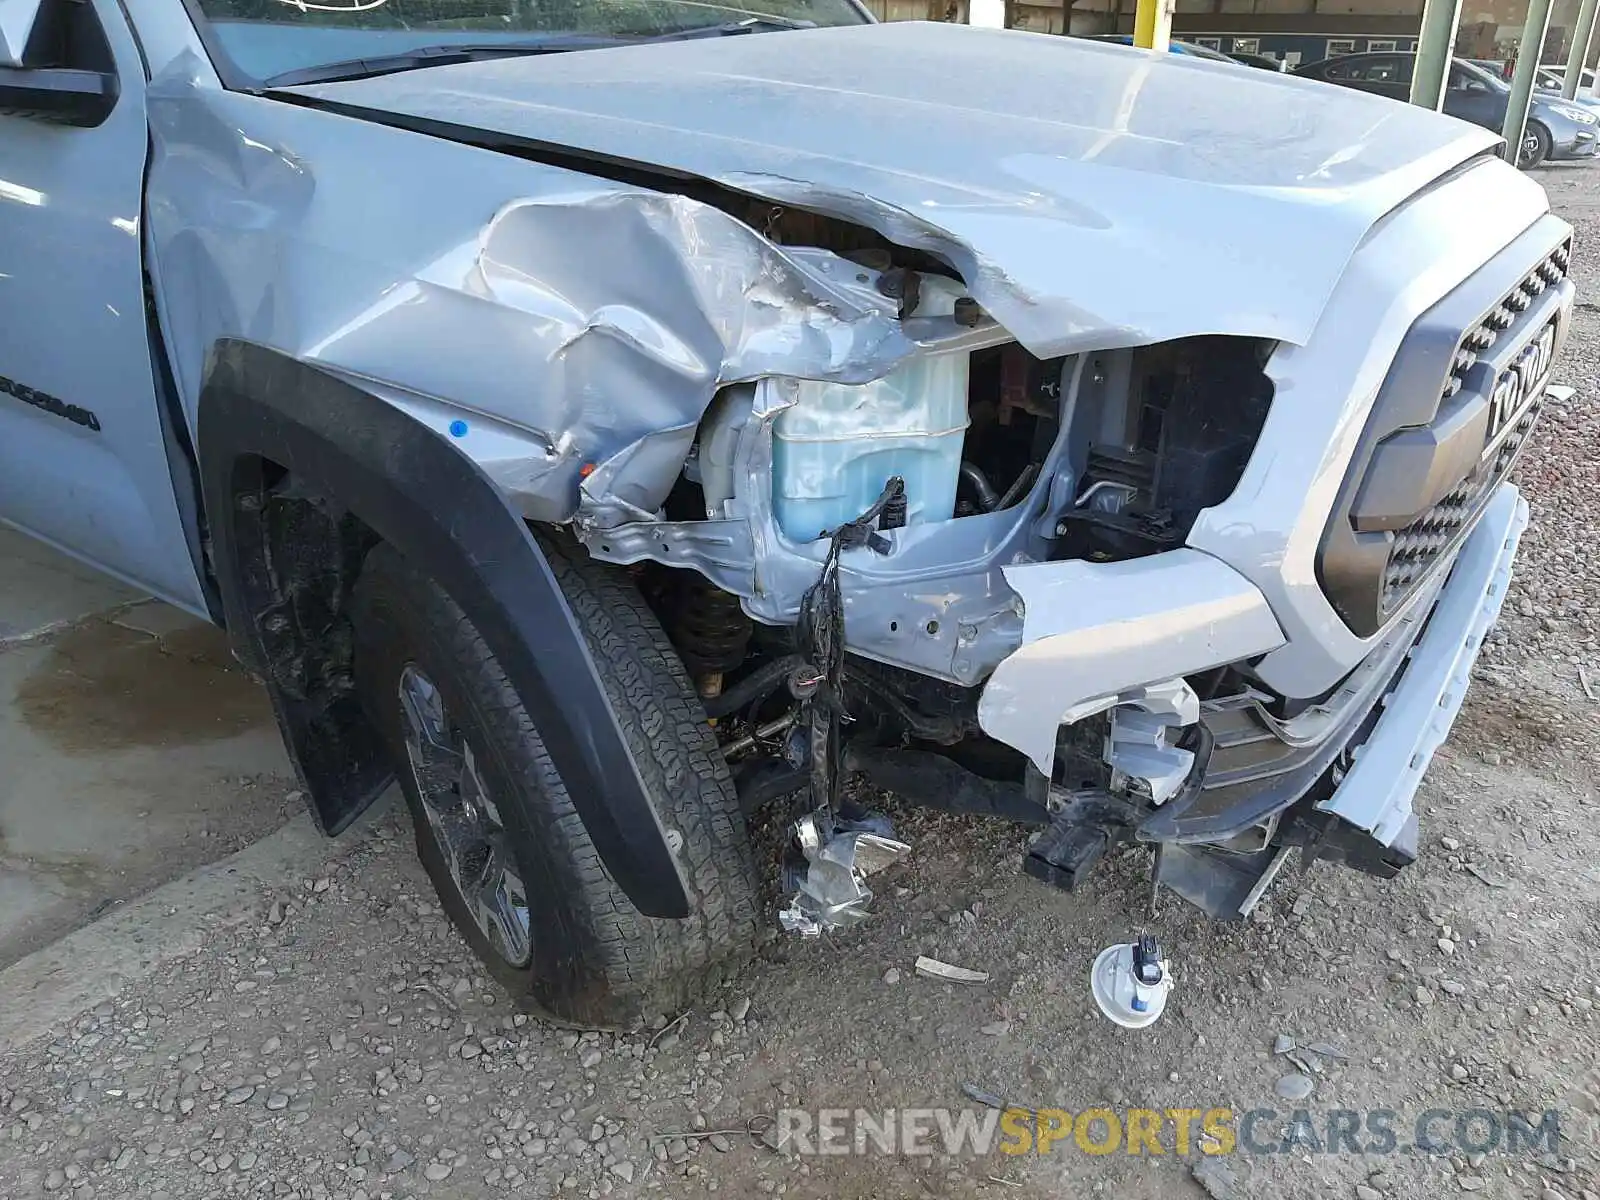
<point x="1295" y="30"/>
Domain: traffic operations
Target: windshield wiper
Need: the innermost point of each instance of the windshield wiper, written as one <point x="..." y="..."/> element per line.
<point x="750" y="24"/>
<point x="435" y="56"/>
<point x="447" y="53"/>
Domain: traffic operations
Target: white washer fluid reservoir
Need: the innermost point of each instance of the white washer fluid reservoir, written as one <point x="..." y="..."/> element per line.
<point x="839" y="444"/>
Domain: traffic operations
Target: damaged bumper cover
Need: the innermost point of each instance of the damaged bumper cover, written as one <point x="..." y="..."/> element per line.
<point x="1361" y="753"/>
<point x="1096" y="635"/>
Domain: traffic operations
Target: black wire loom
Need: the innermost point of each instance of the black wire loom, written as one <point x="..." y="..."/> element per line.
<point x="820" y="634"/>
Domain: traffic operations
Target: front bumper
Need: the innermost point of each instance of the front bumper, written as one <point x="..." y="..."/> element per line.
<point x="1247" y="712"/>
<point x="1359" y="756"/>
<point x="1376" y="793"/>
<point x="1582" y="144"/>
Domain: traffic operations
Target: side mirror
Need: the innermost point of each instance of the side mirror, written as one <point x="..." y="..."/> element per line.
<point x="55" y="63"/>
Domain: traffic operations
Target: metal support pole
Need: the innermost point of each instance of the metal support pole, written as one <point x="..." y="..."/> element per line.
<point x="1528" y="51"/>
<point x="1582" y="35"/>
<point x="1435" y="41"/>
<point x="1152" y="24"/>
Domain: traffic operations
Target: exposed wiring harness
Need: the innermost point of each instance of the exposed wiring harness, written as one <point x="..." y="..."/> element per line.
<point x="820" y="636"/>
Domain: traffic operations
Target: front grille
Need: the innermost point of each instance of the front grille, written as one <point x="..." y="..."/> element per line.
<point x="1452" y="415"/>
<point x="1476" y="341"/>
<point x="1420" y="544"/>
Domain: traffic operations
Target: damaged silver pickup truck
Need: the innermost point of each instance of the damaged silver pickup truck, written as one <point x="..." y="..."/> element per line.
<point x="611" y="419"/>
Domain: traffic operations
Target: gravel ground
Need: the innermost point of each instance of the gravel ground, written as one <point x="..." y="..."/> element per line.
<point x="337" y="1040"/>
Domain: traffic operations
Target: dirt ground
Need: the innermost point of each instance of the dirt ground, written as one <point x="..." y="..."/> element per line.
<point x="336" y="1040"/>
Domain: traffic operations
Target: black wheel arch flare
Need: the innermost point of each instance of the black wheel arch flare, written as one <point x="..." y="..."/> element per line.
<point x="354" y="452"/>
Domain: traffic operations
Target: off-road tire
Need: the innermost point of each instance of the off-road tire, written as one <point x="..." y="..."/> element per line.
<point x="596" y="961"/>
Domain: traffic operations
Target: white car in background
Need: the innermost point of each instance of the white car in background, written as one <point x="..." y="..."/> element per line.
<point x="1550" y="78"/>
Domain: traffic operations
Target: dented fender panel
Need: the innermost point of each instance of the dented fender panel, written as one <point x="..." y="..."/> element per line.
<point x="487" y="293"/>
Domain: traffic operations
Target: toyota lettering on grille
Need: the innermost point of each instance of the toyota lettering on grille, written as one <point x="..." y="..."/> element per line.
<point x="1520" y="383"/>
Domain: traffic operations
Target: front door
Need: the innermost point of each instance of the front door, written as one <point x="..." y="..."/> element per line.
<point x="1383" y="74"/>
<point x="1472" y="99"/>
<point x="85" y="442"/>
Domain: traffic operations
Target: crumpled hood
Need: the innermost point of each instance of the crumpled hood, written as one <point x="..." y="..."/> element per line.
<point x="1090" y="195"/>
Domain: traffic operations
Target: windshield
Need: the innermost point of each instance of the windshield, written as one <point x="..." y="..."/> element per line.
<point x="264" y="38"/>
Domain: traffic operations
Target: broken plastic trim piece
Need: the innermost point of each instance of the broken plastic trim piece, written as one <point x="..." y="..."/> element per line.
<point x="830" y="892"/>
<point x="1096" y="635"/>
<point x="1140" y="746"/>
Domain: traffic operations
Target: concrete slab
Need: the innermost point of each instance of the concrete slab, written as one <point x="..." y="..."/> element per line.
<point x="134" y="748"/>
<point x="154" y="618"/>
<point x="41" y="590"/>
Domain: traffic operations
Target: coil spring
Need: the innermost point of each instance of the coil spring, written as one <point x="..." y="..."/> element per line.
<point x="710" y="631"/>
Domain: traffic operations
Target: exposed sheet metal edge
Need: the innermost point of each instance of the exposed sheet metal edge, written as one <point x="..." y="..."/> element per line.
<point x="1096" y="634"/>
<point x="1376" y="794"/>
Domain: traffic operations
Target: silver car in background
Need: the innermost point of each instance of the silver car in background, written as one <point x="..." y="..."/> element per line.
<point x="1557" y="129"/>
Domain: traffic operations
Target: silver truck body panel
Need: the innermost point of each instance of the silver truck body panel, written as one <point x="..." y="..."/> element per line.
<point x="588" y="315"/>
<point x="590" y="322"/>
<point x="85" y="464"/>
<point x="1063" y="178"/>
<point x="16" y="21"/>
<point x="1270" y="526"/>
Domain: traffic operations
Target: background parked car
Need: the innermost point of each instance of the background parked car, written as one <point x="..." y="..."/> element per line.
<point x="1548" y="80"/>
<point x="1556" y="129"/>
<point x="1551" y="75"/>
<point x="1177" y="47"/>
<point x="1264" y="61"/>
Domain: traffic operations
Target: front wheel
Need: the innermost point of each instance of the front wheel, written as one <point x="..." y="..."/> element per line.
<point x="1535" y="145"/>
<point x="495" y="826"/>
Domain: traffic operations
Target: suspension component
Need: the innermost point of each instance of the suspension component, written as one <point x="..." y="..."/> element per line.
<point x="708" y="628"/>
<point x="760" y="733"/>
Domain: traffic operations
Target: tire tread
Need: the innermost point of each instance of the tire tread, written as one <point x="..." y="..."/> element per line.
<point x="631" y="965"/>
